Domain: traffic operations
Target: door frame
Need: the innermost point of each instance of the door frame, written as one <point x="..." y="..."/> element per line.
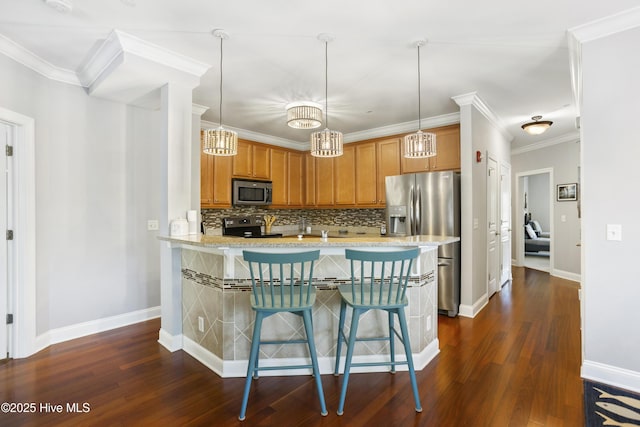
<point x="509" y="230"/>
<point x="497" y="284"/>
<point x="23" y="337"/>
<point x="518" y="236"/>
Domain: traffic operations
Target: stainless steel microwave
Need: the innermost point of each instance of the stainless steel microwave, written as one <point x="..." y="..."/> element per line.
<point x="250" y="193"/>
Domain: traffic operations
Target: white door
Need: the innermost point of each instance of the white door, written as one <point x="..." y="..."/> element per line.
<point x="505" y="223"/>
<point x="493" y="246"/>
<point x="4" y="140"/>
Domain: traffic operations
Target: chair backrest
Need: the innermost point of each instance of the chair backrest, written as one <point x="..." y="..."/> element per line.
<point x="380" y="278"/>
<point x="281" y="280"/>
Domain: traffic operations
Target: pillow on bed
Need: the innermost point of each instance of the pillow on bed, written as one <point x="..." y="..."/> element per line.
<point x="532" y="234"/>
<point x="536" y="227"/>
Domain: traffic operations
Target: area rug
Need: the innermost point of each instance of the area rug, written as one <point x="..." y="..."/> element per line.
<point x="605" y="405"/>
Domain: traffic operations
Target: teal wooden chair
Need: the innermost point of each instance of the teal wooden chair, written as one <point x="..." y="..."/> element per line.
<point x="368" y="292"/>
<point x="281" y="282"/>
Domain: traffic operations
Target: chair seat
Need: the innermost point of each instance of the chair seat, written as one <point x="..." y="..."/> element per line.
<point x="370" y="299"/>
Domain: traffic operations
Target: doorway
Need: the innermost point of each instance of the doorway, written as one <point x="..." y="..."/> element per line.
<point x="5" y="246"/>
<point x="534" y="220"/>
<point x="19" y="132"/>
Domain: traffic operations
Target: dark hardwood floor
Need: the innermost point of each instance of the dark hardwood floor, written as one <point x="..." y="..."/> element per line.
<point x="516" y="364"/>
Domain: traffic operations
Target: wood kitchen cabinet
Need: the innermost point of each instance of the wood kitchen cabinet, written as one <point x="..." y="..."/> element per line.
<point x="324" y="181"/>
<point x="309" y="180"/>
<point x="215" y="180"/>
<point x="366" y="174"/>
<point x="447" y="152"/>
<point x="252" y="161"/>
<point x="287" y="178"/>
<point x="296" y="179"/>
<point x="389" y="156"/>
<point x="344" y="177"/>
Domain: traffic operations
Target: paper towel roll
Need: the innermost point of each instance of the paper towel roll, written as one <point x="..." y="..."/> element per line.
<point x="192" y="219"/>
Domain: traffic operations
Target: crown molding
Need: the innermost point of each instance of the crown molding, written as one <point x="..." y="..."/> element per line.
<point x="569" y="137"/>
<point x="607" y="26"/>
<point x="198" y="109"/>
<point x="406" y="127"/>
<point x="30" y="60"/>
<point x="472" y="98"/>
<point x="259" y="137"/>
<point x="118" y="44"/>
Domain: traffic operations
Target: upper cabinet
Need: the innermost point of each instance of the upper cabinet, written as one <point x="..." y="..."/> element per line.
<point x="447" y="152"/>
<point x="252" y="161"/>
<point x="215" y="180"/>
<point x="355" y="180"/>
<point x="287" y="178"/>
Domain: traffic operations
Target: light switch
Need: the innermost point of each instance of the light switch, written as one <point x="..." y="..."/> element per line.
<point x="563" y="218"/>
<point x="475" y="223"/>
<point x="152" y="224"/>
<point x="614" y="232"/>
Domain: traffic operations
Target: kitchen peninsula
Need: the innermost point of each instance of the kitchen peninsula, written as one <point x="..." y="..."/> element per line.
<point x="217" y="319"/>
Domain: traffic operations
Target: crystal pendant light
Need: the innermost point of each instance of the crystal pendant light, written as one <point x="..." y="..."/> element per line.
<point x="420" y="144"/>
<point x="326" y="143"/>
<point x="220" y="141"/>
<point x="304" y="115"/>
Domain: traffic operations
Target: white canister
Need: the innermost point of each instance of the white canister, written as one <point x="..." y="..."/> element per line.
<point x="179" y="227"/>
<point x="192" y="219"/>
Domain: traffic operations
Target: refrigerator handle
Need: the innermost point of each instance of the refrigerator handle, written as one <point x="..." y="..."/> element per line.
<point x="411" y="206"/>
<point x="418" y="213"/>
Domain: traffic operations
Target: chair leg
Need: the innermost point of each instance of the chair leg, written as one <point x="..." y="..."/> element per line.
<point x="343" y="309"/>
<point x="392" y="349"/>
<point x="407" y="350"/>
<point x="253" y="363"/>
<point x="308" y="326"/>
<point x="355" y="318"/>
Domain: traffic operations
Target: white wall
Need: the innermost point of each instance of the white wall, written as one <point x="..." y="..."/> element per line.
<point x="610" y="152"/>
<point x="96" y="183"/>
<point x="477" y="133"/>
<point x="564" y="159"/>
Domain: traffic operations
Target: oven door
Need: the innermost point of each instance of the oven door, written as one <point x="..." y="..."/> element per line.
<point x="251" y="193"/>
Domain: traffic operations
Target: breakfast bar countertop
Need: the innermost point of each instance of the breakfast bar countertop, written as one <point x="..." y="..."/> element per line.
<point x="356" y="240"/>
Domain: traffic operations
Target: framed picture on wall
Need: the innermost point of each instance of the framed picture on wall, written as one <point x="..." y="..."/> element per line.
<point x="567" y="192"/>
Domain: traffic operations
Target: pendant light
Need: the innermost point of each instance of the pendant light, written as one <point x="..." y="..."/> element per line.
<point x="304" y="115"/>
<point x="326" y="143"/>
<point x="536" y="127"/>
<point x="220" y="141"/>
<point x="420" y="144"/>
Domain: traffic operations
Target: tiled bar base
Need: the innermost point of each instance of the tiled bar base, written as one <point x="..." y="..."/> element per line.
<point x="216" y="288"/>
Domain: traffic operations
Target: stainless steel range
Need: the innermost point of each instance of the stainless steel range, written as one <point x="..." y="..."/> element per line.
<point x="245" y="226"/>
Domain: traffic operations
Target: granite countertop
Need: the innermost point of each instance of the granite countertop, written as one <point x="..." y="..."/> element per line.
<point x="351" y="240"/>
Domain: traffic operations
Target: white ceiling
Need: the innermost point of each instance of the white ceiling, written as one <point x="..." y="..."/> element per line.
<point x="513" y="54"/>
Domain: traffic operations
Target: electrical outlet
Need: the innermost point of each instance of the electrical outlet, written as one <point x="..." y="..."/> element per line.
<point x="200" y="323"/>
<point x="152" y="225"/>
<point x="429" y="323"/>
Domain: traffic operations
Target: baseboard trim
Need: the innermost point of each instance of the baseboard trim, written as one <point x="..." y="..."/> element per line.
<point x="567" y="275"/>
<point x="473" y="310"/>
<point x="170" y="342"/>
<point x="79" y="330"/>
<point x="238" y="368"/>
<point x="611" y="375"/>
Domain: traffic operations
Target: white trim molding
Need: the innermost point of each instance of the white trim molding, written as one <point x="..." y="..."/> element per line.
<point x="607" y="26"/>
<point x="612" y="375"/>
<point x="238" y="368"/>
<point x="569" y="137"/>
<point x="406" y="127"/>
<point x="472" y="98"/>
<point x="66" y="333"/>
<point x="472" y="311"/>
<point x="24" y="333"/>
<point x="576" y="277"/>
<point x="30" y="60"/>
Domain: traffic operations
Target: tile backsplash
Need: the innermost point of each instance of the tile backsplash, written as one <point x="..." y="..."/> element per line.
<point x="212" y="218"/>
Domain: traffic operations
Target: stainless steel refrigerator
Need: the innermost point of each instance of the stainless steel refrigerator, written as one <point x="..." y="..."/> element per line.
<point x="429" y="203"/>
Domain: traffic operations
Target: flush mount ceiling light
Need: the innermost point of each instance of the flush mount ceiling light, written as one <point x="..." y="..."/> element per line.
<point x="220" y="141"/>
<point x="536" y="127"/>
<point x="326" y="143"/>
<point x="62" y="6"/>
<point x="304" y="115"/>
<point x="420" y="144"/>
